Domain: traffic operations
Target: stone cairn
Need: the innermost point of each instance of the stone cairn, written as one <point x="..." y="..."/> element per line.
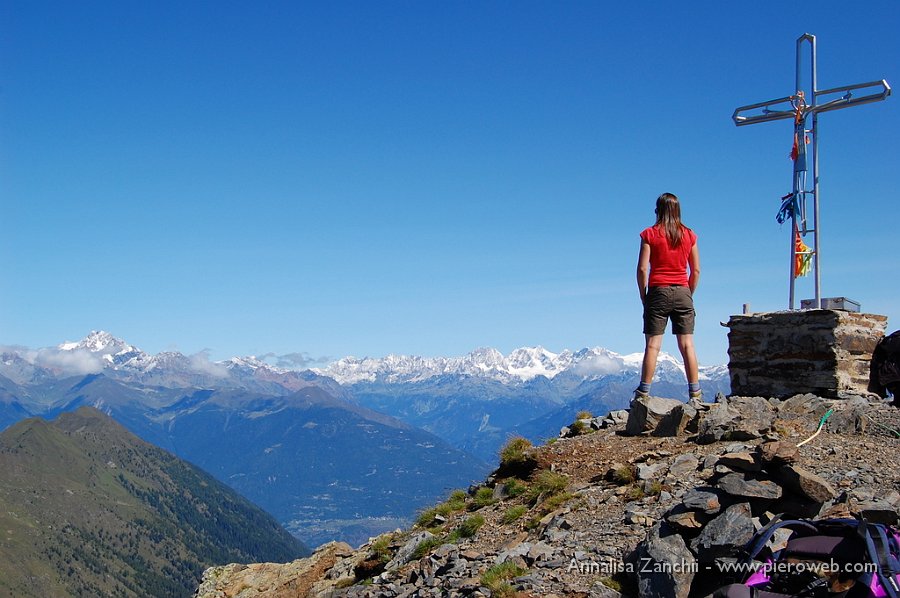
<point x="818" y="351"/>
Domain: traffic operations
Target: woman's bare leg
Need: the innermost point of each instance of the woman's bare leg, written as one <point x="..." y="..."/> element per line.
<point x="651" y="352"/>
<point x="689" y="356"/>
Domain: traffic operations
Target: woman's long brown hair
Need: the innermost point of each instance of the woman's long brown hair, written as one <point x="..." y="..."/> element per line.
<point x="668" y="216"/>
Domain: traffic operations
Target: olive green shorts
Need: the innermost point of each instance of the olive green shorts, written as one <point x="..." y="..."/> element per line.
<point x="662" y="303"/>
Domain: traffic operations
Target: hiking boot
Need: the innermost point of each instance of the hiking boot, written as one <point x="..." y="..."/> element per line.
<point x="696" y="396"/>
<point x="640" y="394"/>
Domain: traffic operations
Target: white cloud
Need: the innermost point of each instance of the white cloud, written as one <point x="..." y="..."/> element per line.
<point x="599" y="365"/>
<point x="74" y="362"/>
<point x="18" y="350"/>
<point x="200" y="363"/>
<point x="295" y="361"/>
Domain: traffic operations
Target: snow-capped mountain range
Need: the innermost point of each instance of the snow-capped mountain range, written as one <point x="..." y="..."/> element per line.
<point x="521" y="365"/>
<point x="100" y="352"/>
<point x="476" y="401"/>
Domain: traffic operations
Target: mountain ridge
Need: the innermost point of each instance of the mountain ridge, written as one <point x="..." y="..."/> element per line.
<point x="87" y="508"/>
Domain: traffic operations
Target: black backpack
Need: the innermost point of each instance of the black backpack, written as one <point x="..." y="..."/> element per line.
<point x="884" y="371"/>
<point x="833" y="558"/>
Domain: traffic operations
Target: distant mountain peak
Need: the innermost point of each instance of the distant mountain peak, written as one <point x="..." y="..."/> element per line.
<point x="252" y="363"/>
<point x="98" y="341"/>
<point x="103" y="352"/>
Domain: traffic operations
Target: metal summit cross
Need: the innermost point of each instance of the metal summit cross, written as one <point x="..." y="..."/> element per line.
<point x="799" y="107"/>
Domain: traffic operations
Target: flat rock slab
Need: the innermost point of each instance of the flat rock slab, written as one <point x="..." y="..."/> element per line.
<point x="743" y="461"/>
<point x="779" y="452"/>
<point x="806" y="483"/>
<point x="686" y="520"/>
<point x="736" y="484"/>
<point x="703" y="499"/>
<point x="684" y="465"/>
<point x="725" y="533"/>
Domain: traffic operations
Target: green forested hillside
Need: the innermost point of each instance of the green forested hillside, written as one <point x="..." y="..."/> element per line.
<point x="88" y="509"/>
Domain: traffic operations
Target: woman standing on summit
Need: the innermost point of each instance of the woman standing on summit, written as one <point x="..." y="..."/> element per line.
<point x="668" y="250"/>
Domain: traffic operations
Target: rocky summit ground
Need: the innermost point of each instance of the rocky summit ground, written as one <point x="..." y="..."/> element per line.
<point x="597" y="512"/>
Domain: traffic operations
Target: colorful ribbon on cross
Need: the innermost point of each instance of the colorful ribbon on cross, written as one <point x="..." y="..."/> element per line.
<point x="798" y="150"/>
<point x="802" y="256"/>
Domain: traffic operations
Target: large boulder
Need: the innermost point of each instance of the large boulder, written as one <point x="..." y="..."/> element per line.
<point x="657" y="416"/>
<point x="804" y="411"/>
<point x="725" y="534"/>
<point x="806" y="483"/>
<point x="666" y="566"/>
<point x="736" y="418"/>
<point x="741" y="486"/>
<point x="676" y="421"/>
<point x="778" y="452"/>
<point x="406" y="552"/>
<point x="275" y="580"/>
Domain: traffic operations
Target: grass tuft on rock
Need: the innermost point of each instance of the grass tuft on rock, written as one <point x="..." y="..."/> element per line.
<point x="545" y="484"/>
<point x="454" y="504"/>
<point x="467" y="528"/>
<point x="513" y="514"/>
<point x="496" y="578"/>
<point x="516" y="459"/>
<point x="426" y="546"/>
<point x="624" y="474"/>
<point x="515" y="488"/>
<point x="484" y="497"/>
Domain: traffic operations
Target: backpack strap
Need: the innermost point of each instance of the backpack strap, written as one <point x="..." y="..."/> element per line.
<point x="816" y="587"/>
<point x="886" y="564"/>
<point x="889" y="562"/>
<point x="893" y="544"/>
<point x="887" y="549"/>
<point x="762" y="537"/>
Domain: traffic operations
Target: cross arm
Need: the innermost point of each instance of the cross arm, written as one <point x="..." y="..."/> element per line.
<point x="776" y="109"/>
<point x="849" y="98"/>
<point x="782" y="108"/>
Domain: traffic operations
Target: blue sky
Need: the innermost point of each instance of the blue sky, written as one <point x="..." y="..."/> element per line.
<point x="365" y="178"/>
